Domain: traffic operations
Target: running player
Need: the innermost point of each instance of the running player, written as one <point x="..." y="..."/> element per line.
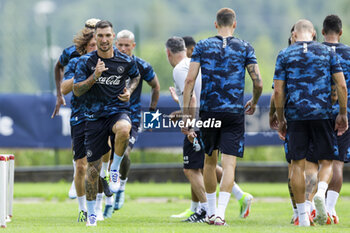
<point x="222" y="60"/>
<point x="84" y="43"/>
<point x="304" y="90"/>
<point x="332" y="31"/>
<point x="101" y="76"/>
<point x="125" y="43"/>
<point x="66" y="56"/>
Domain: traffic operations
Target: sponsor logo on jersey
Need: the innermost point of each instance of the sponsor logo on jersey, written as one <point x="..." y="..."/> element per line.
<point x="111" y="80"/>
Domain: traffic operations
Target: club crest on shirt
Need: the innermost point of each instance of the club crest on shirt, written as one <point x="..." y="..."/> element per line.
<point x="120" y="69"/>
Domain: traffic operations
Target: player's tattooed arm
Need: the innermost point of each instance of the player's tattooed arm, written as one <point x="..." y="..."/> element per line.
<point x="129" y="89"/>
<point x="133" y="84"/>
<point x="91" y="182"/>
<point x="254" y="73"/>
<point x="250" y="106"/>
<point x="82" y="87"/>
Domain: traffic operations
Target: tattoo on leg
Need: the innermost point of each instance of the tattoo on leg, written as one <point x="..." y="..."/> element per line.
<point x="291" y="194"/>
<point x="91" y="184"/>
<point x="310" y="181"/>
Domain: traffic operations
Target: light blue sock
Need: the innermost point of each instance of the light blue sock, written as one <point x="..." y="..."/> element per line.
<point x="90" y="207"/>
<point x="116" y="162"/>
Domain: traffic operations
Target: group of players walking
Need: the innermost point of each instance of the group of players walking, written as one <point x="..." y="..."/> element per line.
<point x="106" y="82"/>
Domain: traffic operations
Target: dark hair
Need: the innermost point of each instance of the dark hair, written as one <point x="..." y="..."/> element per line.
<point x="290" y="37"/>
<point x="175" y="44"/>
<point x="225" y="17"/>
<point x="103" y="24"/>
<point x="332" y="23"/>
<point x="189" y="41"/>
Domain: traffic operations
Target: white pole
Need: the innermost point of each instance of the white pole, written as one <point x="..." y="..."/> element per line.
<point x="3" y="190"/>
<point x="11" y="184"/>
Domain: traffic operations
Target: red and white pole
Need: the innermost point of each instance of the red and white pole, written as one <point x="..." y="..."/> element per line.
<point x="3" y="190"/>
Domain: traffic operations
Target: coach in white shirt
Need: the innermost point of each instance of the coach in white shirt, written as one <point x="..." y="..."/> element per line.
<point x="193" y="160"/>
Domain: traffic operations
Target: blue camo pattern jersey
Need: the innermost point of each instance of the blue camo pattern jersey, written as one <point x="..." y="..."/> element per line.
<point x="223" y="62"/>
<point x="67" y="54"/>
<point x="307" y="68"/>
<point x="101" y="100"/>
<point x="77" y="115"/>
<point x="343" y="53"/>
<point x="147" y="74"/>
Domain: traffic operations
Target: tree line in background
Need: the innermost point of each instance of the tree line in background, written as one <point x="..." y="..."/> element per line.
<point x="25" y="68"/>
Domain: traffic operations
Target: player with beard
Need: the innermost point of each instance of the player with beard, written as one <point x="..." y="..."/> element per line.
<point x="101" y="76"/>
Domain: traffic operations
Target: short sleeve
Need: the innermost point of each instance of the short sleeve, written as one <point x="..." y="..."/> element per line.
<point x="81" y="71"/>
<point x="148" y="72"/>
<point x="335" y="64"/>
<point x="70" y="69"/>
<point x="179" y="75"/>
<point x="197" y="51"/>
<point x="133" y="71"/>
<point x="64" y="58"/>
<point x="280" y="72"/>
<point x="251" y="58"/>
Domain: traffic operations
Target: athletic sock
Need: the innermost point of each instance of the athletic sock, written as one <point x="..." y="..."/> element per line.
<point x="99" y="200"/>
<point x="91" y="207"/>
<point x="116" y="162"/>
<point x="203" y="206"/>
<point x="211" y="198"/>
<point x="194" y="206"/>
<point x="224" y="198"/>
<point x="237" y="191"/>
<point x="110" y="200"/>
<point x="332" y="198"/>
<point x="302" y="212"/>
<point x="122" y="184"/>
<point x="322" y="188"/>
<point x="295" y="211"/>
<point x="104" y="169"/>
<point x="82" y="203"/>
<point x="308" y="206"/>
<point x="313" y="207"/>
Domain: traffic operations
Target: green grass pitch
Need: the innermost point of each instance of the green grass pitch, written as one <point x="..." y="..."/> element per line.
<point x="44" y="208"/>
